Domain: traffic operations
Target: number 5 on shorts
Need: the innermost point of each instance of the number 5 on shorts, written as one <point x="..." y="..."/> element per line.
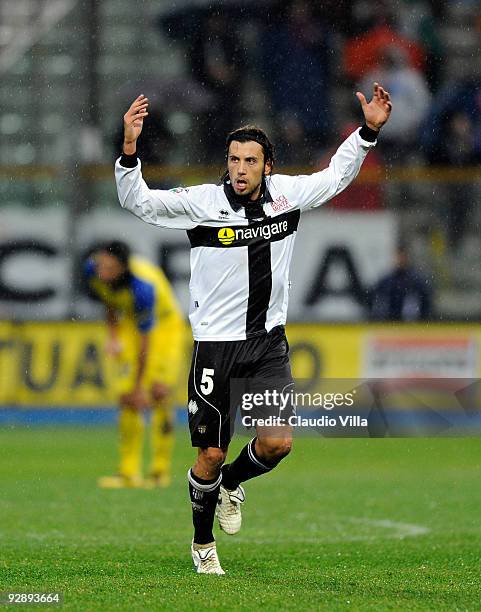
<point x="207" y="384"/>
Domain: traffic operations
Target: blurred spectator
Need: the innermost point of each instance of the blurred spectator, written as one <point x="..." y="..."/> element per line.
<point x="362" y="195"/>
<point x="464" y="152"/>
<point x="403" y="294"/>
<point x="156" y="142"/>
<point x="463" y="97"/>
<point x="336" y="13"/>
<point x="296" y="73"/>
<point x="364" y="52"/>
<point x="217" y="62"/>
<point x="452" y="137"/>
<point x="216" y="59"/>
<point x="410" y="97"/>
<point x="416" y="21"/>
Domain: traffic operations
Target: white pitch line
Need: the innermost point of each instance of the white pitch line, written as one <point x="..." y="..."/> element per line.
<point x="401" y="530"/>
<point x="382" y="529"/>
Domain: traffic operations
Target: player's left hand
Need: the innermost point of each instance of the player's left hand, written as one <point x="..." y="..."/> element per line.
<point x="159" y="391"/>
<point x="377" y="111"/>
<point x="136" y="399"/>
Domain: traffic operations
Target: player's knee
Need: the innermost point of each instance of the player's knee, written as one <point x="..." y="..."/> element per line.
<point x="276" y="449"/>
<point x="212" y="457"/>
<point x="159" y="392"/>
<point x="282" y="449"/>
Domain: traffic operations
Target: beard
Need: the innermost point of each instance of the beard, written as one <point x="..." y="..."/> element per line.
<point x="246" y="195"/>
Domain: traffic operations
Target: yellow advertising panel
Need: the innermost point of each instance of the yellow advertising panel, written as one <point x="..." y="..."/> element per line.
<point x="7" y="370"/>
<point x="64" y="363"/>
<point x="325" y="351"/>
<point x="386" y="350"/>
<point x="422" y="351"/>
<point x="60" y="364"/>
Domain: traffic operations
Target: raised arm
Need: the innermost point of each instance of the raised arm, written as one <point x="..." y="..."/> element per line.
<point x="133" y="124"/>
<point x="175" y="208"/>
<point x="378" y="110"/>
<point x="315" y="189"/>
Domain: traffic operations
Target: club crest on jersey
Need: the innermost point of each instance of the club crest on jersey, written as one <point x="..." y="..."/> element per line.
<point x="280" y="203"/>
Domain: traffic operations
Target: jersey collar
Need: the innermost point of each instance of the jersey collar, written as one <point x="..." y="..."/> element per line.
<point x="253" y="208"/>
<point x="122" y="281"/>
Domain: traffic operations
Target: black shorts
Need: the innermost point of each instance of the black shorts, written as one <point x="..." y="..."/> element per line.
<point x="222" y="371"/>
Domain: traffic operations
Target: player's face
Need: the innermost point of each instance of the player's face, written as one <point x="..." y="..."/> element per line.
<point x="109" y="269"/>
<point x="246" y="166"/>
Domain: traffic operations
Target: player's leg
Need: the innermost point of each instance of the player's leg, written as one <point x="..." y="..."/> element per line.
<point x="162" y="374"/>
<point x="131" y="421"/>
<point x="259" y="456"/>
<point x="131" y="429"/>
<point x="162" y="436"/>
<point x="209" y="423"/>
<point x="131" y="435"/>
<point x="204" y="481"/>
<point x="270" y="370"/>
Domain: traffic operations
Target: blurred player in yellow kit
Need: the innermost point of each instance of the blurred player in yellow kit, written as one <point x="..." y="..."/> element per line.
<point x="145" y="338"/>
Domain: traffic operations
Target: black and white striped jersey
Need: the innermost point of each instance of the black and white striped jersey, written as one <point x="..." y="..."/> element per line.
<point x="240" y="255"/>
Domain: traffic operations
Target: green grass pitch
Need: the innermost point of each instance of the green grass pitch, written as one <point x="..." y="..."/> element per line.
<point x="341" y="525"/>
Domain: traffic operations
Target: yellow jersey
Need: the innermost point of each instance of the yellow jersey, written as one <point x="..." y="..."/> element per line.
<point x="143" y="297"/>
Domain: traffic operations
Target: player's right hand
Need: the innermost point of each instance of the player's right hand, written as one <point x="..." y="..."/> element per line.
<point x="378" y="110"/>
<point x="136" y="399"/>
<point x="133" y="123"/>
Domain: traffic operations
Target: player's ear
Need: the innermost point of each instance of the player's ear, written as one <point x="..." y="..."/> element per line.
<point x="267" y="168"/>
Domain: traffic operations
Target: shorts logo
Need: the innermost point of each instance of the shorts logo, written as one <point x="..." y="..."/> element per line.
<point x="193" y="407"/>
<point x="202" y="429"/>
<point x="226" y="235"/>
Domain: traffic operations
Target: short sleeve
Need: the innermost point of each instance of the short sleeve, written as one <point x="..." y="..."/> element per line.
<point x="144" y="302"/>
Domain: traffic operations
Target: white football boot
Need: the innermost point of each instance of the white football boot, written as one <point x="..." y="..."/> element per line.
<point x="229" y="509"/>
<point x="205" y="559"/>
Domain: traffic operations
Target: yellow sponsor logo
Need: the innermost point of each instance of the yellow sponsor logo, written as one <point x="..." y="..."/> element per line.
<point x="226" y="235"/>
<point x="64" y="364"/>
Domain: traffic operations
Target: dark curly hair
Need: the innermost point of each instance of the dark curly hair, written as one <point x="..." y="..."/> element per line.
<point x="118" y="249"/>
<point x="248" y="133"/>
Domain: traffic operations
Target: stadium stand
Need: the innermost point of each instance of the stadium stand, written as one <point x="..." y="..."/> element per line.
<point x="66" y="74"/>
